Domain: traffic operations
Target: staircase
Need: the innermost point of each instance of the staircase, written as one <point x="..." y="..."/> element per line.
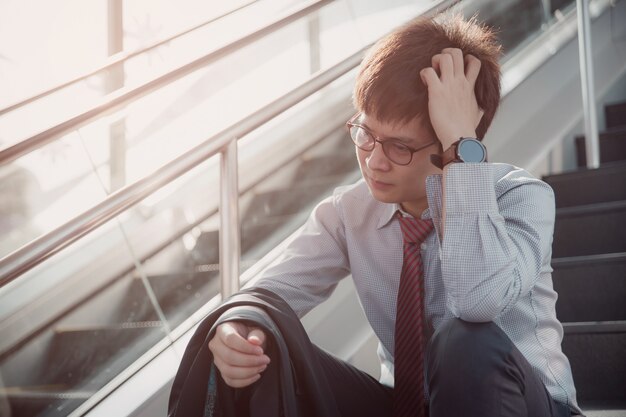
<point x="60" y="366"/>
<point x="589" y="261"/>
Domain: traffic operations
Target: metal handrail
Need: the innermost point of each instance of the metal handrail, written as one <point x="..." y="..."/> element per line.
<point x="117" y="59"/>
<point x="124" y="96"/>
<point x="40" y="249"/>
<point x="30" y="255"/>
<point x="592" y="144"/>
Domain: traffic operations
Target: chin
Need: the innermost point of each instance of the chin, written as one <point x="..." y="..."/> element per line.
<point x="383" y="197"/>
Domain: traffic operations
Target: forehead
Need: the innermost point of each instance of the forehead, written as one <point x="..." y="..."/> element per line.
<point x="413" y="131"/>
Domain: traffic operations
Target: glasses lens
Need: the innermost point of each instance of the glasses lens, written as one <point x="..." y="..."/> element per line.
<point x="397" y="152"/>
<point x="362" y="138"/>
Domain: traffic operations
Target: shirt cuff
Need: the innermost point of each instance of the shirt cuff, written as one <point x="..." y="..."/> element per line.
<point x="469" y="187"/>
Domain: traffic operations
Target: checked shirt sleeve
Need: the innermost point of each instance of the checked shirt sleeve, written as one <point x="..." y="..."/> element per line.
<point x="313" y="263"/>
<point x="497" y="238"/>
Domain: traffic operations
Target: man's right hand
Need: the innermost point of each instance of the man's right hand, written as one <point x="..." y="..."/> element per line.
<point x="238" y="352"/>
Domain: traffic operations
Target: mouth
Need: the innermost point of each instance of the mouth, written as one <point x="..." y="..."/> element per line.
<point x="378" y="184"/>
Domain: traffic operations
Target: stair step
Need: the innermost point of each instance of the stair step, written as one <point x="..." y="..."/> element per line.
<point x="82" y="356"/>
<point x="254" y="229"/>
<point x="135" y="305"/>
<point x="53" y="400"/>
<point x="590" y="288"/>
<point x="612" y="146"/>
<point x="52" y="370"/>
<point x="266" y="212"/>
<point x="615" y="115"/>
<point x="596" y="354"/>
<point x="179" y="293"/>
<point x="595" y="327"/>
<point x="284" y="201"/>
<point x="604" y="410"/>
<point x="206" y="249"/>
<point x="590" y="229"/>
<point x="253" y="234"/>
<point x="589" y="186"/>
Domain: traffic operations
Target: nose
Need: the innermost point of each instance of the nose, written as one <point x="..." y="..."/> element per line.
<point x="377" y="160"/>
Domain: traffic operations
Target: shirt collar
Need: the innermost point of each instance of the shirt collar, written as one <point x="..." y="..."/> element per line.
<point x="389" y="211"/>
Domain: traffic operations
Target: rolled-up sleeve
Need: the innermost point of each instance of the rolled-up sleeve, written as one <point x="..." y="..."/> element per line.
<point x="313" y="263"/>
<point x="497" y="237"/>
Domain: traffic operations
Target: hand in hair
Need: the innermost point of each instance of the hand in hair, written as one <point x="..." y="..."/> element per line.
<point x="452" y="105"/>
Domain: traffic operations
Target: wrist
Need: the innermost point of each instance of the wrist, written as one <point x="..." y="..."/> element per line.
<point x="451" y="140"/>
<point x="466" y="149"/>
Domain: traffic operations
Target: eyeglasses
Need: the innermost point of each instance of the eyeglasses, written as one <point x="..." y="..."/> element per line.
<point x="396" y="151"/>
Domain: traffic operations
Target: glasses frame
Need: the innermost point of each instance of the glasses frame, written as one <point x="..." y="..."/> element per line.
<point x="351" y="123"/>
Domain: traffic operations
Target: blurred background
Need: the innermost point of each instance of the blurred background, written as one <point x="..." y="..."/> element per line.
<point x="153" y="152"/>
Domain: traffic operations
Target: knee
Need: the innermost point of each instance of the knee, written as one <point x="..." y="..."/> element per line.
<point x="467" y="346"/>
<point x="473" y="367"/>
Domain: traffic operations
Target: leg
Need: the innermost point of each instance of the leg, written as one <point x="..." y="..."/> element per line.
<point x="473" y="369"/>
<point x="357" y="393"/>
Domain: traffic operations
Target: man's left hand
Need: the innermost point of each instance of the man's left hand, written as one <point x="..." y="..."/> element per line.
<point x="452" y="106"/>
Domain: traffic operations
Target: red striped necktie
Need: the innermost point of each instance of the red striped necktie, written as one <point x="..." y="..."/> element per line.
<point x="408" y="391"/>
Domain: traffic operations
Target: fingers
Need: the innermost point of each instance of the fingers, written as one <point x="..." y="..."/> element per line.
<point x="227" y="356"/>
<point x="457" y="63"/>
<point x="451" y="63"/>
<point x="429" y="77"/>
<point x="443" y="63"/>
<point x="472" y="68"/>
<point x="257" y="338"/>
<point x="238" y="373"/>
<point x="232" y="336"/>
<point x="238" y="353"/>
<point x="452" y="105"/>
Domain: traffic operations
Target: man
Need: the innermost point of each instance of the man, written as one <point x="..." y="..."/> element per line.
<point x="450" y="254"/>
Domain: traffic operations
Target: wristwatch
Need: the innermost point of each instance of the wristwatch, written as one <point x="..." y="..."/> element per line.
<point x="463" y="150"/>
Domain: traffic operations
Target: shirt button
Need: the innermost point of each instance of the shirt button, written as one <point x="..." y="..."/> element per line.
<point x="423" y="246"/>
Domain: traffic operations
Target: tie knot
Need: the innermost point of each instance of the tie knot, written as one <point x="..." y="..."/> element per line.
<point x="415" y="230"/>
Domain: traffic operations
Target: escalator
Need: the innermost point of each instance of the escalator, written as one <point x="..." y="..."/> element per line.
<point x="57" y="368"/>
<point x="67" y="358"/>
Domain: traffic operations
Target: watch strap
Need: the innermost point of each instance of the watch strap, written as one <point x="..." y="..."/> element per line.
<point x="450" y="155"/>
<point x="435" y="159"/>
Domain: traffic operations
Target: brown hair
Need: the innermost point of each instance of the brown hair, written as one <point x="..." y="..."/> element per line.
<point x="388" y="86"/>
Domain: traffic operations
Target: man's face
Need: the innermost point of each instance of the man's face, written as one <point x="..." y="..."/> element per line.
<point x="392" y="183"/>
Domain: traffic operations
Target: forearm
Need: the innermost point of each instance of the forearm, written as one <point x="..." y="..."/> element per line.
<point x="445" y="146"/>
<point x="495" y="247"/>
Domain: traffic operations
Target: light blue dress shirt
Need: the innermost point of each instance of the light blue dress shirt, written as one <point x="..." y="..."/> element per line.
<point x="493" y="263"/>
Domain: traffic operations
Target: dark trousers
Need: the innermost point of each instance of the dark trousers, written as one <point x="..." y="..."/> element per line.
<point x="473" y="369"/>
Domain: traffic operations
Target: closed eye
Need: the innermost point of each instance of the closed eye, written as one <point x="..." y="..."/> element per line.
<point x="397" y="145"/>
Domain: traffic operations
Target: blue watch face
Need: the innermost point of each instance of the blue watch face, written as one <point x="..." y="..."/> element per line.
<point x="471" y="151"/>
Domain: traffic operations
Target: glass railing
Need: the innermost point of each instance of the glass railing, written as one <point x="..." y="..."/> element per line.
<point x="518" y="22"/>
<point x="72" y="324"/>
<point x="131" y="143"/>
